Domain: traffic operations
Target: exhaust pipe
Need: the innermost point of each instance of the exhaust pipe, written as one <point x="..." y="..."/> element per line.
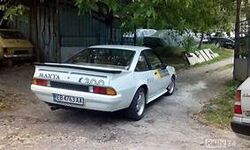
<point x="53" y="108"/>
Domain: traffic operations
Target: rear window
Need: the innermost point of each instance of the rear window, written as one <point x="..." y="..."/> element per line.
<point x="112" y="58"/>
<point x="11" y="35"/>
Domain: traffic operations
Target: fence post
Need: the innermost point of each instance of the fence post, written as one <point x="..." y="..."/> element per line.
<point x="57" y="32"/>
<point x="248" y="43"/>
<point x="34" y="27"/>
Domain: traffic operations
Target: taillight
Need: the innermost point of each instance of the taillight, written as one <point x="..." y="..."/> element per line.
<point x="237" y="103"/>
<point x="102" y="90"/>
<point x="237" y="109"/>
<point x="238" y="96"/>
<point x="41" y="82"/>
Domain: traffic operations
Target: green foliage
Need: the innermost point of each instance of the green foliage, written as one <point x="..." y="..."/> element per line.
<point x="197" y="15"/>
<point x="172" y="56"/>
<point x="13" y="9"/>
<point x="189" y="44"/>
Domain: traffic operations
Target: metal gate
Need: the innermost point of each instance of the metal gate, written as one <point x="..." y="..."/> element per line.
<point x="242" y="62"/>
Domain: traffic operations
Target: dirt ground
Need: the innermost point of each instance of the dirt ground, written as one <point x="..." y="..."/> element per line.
<point x="168" y="122"/>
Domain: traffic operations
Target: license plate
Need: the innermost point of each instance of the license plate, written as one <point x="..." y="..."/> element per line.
<point x="68" y="99"/>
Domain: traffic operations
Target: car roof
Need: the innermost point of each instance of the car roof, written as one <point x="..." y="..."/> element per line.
<point x="123" y="47"/>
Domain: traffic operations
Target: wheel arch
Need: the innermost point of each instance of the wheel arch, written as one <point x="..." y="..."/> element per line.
<point x="173" y="76"/>
<point x="145" y="87"/>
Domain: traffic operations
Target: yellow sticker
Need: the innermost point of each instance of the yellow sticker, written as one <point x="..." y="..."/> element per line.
<point x="157" y="74"/>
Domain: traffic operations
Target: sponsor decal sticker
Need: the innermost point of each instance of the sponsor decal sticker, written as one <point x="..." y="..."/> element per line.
<point x="93" y="81"/>
<point x="161" y="73"/>
<point x="49" y="76"/>
<point x="246" y="95"/>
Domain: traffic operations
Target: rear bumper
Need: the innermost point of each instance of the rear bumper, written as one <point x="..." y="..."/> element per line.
<point x="91" y="101"/>
<point x="241" y="128"/>
<point x="23" y="56"/>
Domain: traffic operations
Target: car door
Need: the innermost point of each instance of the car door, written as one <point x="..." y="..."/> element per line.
<point x="159" y="72"/>
<point x="142" y="72"/>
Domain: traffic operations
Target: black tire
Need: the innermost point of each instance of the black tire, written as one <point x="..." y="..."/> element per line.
<point x="132" y="112"/>
<point x="10" y="62"/>
<point x="171" y="87"/>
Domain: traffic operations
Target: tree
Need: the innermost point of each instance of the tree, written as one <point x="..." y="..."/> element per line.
<point x="196" y="15"/>
<point x="13" y="8"/>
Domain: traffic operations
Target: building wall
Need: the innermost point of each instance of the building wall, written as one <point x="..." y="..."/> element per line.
<point x="76" y="32"/>
<point x="79" y="32"/>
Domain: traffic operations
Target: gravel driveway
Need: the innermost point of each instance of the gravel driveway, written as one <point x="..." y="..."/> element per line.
<point x="168" y="123"/>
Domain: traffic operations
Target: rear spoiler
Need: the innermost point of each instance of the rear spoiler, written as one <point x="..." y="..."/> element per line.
<point x="80" y="68"/>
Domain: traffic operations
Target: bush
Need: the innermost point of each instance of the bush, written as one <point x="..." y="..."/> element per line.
<point x="189" y="44"/>
<point x="169" y="51"/>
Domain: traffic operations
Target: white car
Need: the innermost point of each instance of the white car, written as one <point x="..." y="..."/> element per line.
<point x="241" y="119"/>
<point x="105" y="78"/>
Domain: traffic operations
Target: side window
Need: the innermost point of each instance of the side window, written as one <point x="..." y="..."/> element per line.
<point x="141" y="64"/>
<point x="153" y="60"/>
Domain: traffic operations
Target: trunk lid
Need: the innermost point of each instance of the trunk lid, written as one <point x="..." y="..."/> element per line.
<point x="76" y="74"/>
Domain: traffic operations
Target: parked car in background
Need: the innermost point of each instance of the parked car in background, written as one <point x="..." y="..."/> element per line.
<point x="241" y="119"/>
<point x="105" y="78"/>
<point x="223" y="42"/>
<point x="14" y="46"/>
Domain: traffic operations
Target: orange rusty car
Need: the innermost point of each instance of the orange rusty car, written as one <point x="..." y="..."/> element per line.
<point x="14" y="46"/>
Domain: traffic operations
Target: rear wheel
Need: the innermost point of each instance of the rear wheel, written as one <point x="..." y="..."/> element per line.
<point x="137" y="107"/>
<point x="171" y="87"/>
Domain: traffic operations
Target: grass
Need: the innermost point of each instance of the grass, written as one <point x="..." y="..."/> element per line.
<point x="223" y="54"/>
<point x="219" y="111"/>
<point x="174" y="56"/>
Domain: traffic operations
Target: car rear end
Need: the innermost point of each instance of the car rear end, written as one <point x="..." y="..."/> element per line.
<point x="77" y="87"/>
<point x="241" y="119"/>
<point x="14" y="46"/>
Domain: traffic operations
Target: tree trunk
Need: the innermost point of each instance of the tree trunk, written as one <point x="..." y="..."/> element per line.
<point x="200" y="43"/>
<point x="237" y="30"/>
